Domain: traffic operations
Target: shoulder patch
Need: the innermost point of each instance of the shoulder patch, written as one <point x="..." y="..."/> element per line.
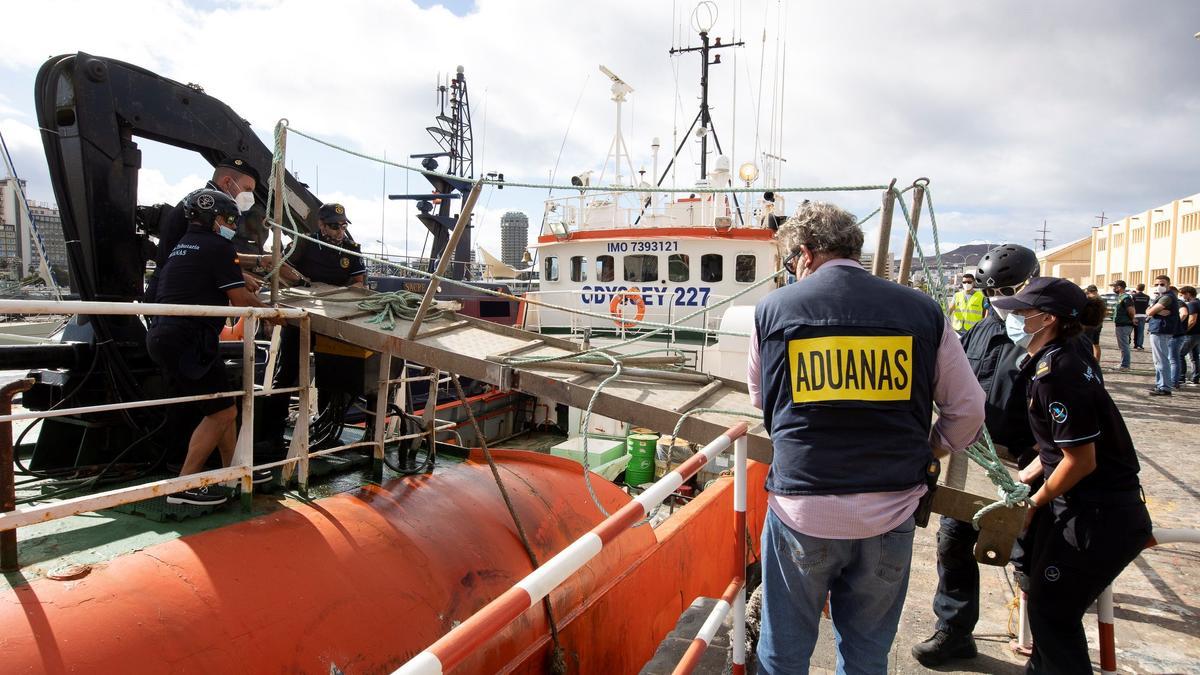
<point x="1058" y="412"/>
<point x="1043" y="368"/>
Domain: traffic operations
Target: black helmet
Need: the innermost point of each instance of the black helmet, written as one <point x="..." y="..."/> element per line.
<point x="1006" y="266"/>
<point x="203" y="206"/>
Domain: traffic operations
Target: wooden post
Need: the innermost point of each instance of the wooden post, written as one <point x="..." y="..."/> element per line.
<point x="879" y="262"/>
<point x="918" y="201"/>
<point x="464" y="218"/>
<point x="278" y="215"/>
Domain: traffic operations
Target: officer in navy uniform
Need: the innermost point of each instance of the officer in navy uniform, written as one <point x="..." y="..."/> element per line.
<point x="994" y="359"/>
<point x="320" y="262"/>
<point x="202" y="269"/>
<point x="1088" y="520"/>
<point x="233" y="177"/>
<point x="847" y="392"/>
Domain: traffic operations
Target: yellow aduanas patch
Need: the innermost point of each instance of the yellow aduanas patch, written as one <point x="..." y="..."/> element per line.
<point x="845" y="368"/>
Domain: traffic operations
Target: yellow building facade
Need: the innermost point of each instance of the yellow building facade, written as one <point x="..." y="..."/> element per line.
<point x="1071" y="261"/>
<point x="1139" y="247"/>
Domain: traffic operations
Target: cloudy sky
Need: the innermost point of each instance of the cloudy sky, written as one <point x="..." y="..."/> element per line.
<point x="1017" y="111"/>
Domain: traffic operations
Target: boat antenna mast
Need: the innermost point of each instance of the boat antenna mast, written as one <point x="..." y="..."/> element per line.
<point x="703" y="18"/>
<point x="456" y="143"/>
<point x="617" y="150"/>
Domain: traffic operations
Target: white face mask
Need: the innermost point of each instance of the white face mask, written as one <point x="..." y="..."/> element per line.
<point x="967" y="285"/>
<point x="244" y="199"/>
<point x="1160" y="289"/>
<point x="1014" y="325"/>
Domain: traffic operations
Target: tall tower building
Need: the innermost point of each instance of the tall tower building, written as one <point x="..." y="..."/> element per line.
<point x="514" y="237"/>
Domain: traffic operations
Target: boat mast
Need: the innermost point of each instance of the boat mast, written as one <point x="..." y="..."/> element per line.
<point x="703" y="118"/>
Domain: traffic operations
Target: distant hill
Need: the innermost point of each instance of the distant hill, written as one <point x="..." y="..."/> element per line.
<point x="965" y="255"/>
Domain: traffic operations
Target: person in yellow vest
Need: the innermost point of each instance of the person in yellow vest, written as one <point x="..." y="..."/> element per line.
<point x="966" y="309"/>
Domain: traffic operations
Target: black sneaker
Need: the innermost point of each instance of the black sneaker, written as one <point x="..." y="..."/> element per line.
<point x="202" y="496"/>
<point x="942" y="647"/>
<point x="262" y="476"/>
<point x="1160" y="392"/>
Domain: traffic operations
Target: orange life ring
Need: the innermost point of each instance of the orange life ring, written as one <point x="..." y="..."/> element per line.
<point x="634" y="295"/>
<point x="235" y="332"/>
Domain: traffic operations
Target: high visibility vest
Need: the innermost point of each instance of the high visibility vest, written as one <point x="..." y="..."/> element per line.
<point x="968" y="311"/>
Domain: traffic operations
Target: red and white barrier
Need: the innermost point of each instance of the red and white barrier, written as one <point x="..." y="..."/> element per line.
<point x="1104" y="604"/>
<point x="691" y="658"/>
<point x="465" y="638"/>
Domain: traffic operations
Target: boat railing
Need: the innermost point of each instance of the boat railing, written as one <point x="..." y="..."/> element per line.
<point x="473" y="633"/>
<point x="242" y="465"/>
<point x="629" y="210"/>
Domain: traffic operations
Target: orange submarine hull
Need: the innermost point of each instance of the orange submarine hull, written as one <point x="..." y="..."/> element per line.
<point x="363" y="581"/>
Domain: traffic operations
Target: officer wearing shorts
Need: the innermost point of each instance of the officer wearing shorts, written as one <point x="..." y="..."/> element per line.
<point x="202" y="269"/>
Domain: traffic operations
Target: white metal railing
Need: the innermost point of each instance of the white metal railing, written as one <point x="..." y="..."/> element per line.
<point x="242" y="466"/>
<point x="626" y="210"/>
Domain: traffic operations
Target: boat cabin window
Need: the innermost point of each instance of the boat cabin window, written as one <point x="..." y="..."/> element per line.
<point x="550" y="269"/>
<point x="710" y="267"/>
<point x="677" y="267"/>
<point x="578" y="268"/>
<point x="604" y="268"/>
<point x="641" y="268"/>
<point x="745" y="269"/>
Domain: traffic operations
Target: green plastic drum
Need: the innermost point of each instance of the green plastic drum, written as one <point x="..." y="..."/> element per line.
<point x="641" y="462"/>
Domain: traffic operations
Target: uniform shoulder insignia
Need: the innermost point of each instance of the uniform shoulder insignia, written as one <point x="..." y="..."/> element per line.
<point x="1043" y="367"/>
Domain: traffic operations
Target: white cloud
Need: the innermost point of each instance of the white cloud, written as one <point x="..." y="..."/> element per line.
<point x="1017" y="112"/>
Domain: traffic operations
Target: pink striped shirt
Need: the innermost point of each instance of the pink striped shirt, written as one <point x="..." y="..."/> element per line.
<point x="868" y="514"/>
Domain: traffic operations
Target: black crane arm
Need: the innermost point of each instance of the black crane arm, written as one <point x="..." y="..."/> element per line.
<point x="90" y="109"/>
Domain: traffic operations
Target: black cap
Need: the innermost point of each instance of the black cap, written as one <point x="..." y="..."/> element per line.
<point x="241" y="166"/>
<point x="332" y="213"/>
<point x="1049" y="294"/>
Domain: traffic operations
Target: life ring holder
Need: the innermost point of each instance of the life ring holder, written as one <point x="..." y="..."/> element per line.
<point x="614" y="308"/>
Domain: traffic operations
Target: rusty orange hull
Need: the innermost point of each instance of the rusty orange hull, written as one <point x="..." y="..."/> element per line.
<point x="364" y="581"/>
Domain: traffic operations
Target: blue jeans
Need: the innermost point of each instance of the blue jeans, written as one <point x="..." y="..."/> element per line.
<point x="1123" y="334"/>
<point x="865" y="580"/>
<point x="1166" y="361"/>
<point x="1139" y="332"/>
<point x="1190" y="349"/>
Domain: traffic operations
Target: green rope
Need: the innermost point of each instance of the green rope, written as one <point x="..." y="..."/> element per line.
<point x="1011" y="492"/>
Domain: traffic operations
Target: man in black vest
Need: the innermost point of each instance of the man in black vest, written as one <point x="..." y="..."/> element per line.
<point x="1141" y="302"/>
<point x="846" y="368"/>
<point x="1163" y="323"/>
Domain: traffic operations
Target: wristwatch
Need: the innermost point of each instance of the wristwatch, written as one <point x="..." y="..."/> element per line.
<point x="259" y="268"/>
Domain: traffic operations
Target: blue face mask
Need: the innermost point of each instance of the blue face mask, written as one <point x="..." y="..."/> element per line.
<point x="226" y="232"/>
<point x="1014" y="325"/>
